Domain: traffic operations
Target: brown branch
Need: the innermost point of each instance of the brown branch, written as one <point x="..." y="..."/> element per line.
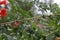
<point x="21" y="20"/>
<point x="27" y="19"/>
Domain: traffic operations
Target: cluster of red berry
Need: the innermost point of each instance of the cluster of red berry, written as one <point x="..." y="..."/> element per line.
<point x="3" y="10"/>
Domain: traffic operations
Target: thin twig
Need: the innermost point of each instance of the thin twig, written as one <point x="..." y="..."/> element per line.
<point x="21" y="20"/>
<point x="27" y="19"/>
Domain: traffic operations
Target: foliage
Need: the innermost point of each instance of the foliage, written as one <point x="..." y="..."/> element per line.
<point x="28" y="28"/>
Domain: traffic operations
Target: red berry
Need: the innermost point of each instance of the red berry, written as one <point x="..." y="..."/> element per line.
<point x="2" y="2"/>
<point x="16" y="23"/>
<point x="2" y="12"/>
<point x="40" y="25"/>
